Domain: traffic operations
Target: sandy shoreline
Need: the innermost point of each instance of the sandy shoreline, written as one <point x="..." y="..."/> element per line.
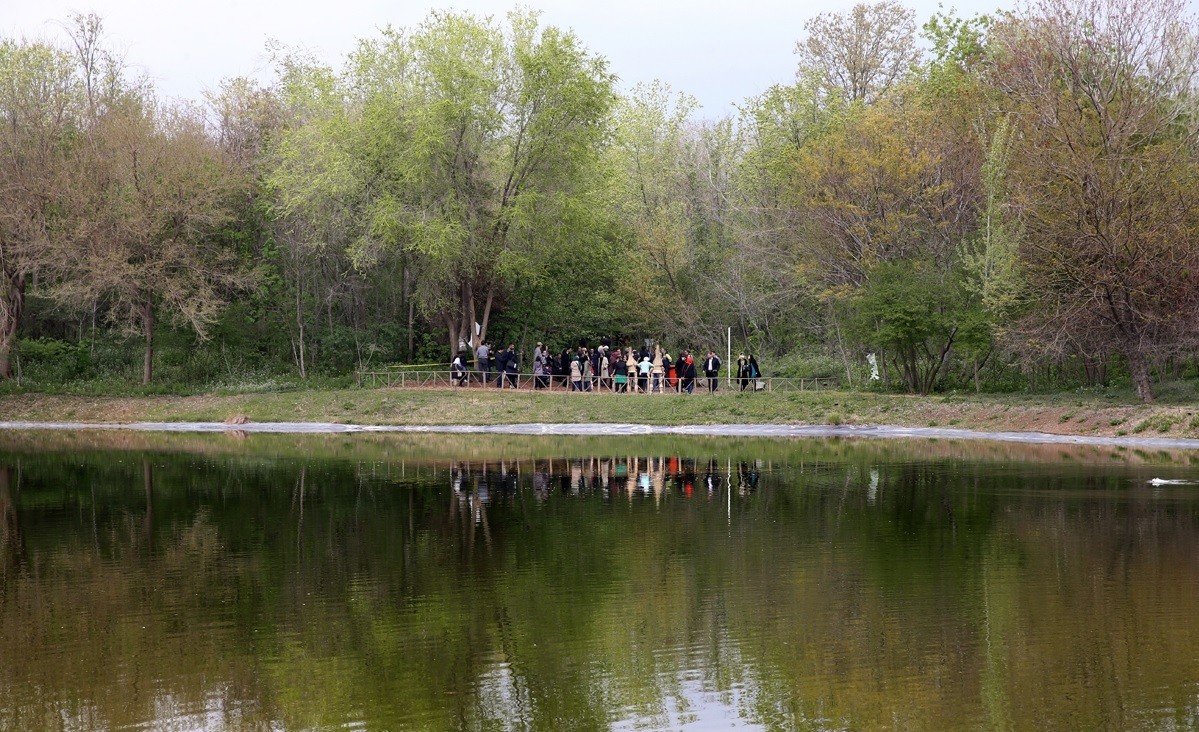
<point x="619" y="430"/>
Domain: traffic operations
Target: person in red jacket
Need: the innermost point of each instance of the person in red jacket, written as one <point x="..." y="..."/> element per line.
<point x="687" y="372"/>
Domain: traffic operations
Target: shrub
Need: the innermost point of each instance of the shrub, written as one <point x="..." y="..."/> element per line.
<point x="45" y="360"/>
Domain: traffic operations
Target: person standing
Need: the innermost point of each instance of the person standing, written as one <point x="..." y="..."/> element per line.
<point x="458" y="370"/>
<point x="658" y="370"/>
<point x="755" y="372"/>
<point x="564" y="367"/>
<point x="586" y="369"/>
<point x="512" y="366"/>
<point x="687" y="373"/>
<point x="483" y="362"/>
<point x="643" y="377"/>
<point x="742" y="371"/>
<point x="605" y="369"/>
<point x="576" y="374"/>
<point x="539" y="370"/>
<point x="501" y="363"/>
<point x="712" y="371"/>
<point x="620" y="377"/>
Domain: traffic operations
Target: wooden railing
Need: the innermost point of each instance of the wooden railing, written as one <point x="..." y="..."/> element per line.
<point x="403" y="378"/>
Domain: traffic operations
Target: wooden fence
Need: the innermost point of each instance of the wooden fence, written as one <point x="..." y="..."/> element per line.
<point x="404" y="378"/>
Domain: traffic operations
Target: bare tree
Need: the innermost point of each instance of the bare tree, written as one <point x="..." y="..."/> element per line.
<point x="1104" y="92"/>
<point x="153" y="188"/>
<point x="38" y="109"/>
<point x="862" y="53"/>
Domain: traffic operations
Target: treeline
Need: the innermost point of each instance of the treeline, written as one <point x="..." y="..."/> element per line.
<point x="1013" y="207"/>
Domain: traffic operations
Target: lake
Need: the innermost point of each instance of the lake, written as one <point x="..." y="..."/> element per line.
<point x="471" y="582"/>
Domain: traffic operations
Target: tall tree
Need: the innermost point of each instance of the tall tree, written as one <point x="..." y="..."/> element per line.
<point x="893" y="189"/>
<point x="316" y="197"/>
<point x="649" y="163"/>
<point x="492" y="152"/>
<point x="154" y="188"/>
<point x="1104" y="94"/>
<point x="861" y="54"/>
<point x="39" y="112"/>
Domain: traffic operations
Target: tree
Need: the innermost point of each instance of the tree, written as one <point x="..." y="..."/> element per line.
<point x="774" y="225"/>
<point x="316" y="197"/>
<point x="991" y="257"/>
<point x="862" y="54"/>
<point x="153" y="189"/>
<point x="883" y="187"/>
<point x="892" y="188"/>
<point x="482" y="146"/>
<point x="649" y="170"/>
<point x="1103" y="91"/>
<point x="39" y="112"/>
<point x="917" y="315"/>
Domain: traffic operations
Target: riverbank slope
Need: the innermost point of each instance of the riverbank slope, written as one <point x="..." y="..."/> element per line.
<point x="1064" y="414"/>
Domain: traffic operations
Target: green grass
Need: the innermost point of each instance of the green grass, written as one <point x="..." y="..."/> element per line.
<point x="1053" y="413"/>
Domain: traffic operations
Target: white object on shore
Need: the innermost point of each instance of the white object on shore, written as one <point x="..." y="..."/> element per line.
<point x="1171" y="481"/>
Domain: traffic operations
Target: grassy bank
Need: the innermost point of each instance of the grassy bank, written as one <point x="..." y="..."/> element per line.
<point x="1081" y="414"/>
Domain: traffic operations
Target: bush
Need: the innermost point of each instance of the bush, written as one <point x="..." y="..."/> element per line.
<point x="805" y="365"/>
<point x="51" y="360"/>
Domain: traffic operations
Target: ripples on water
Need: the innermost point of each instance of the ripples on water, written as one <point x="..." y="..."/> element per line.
<point x="699" y="585"/>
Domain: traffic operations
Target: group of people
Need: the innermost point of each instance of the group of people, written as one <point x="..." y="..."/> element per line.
<point x="505" y="363"/>
<point x="602" y="368"/>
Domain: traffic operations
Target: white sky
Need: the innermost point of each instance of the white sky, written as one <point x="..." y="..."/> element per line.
<point x="720" y="51"/>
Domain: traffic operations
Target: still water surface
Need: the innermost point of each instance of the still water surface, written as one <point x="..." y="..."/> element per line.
<point x="477" y="583"/>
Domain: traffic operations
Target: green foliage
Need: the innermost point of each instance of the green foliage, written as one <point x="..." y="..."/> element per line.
<point x="482" y="169"/>
<point x="956" y="41"/>
<point x="53" y="360"/>
<point x="991" y="258"/>
<point x="802" y="364"/>
<point x="914" y="314"/>
<point x="474" y="148"/>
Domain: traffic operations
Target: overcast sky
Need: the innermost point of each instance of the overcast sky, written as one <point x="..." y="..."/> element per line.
<point x="720" y="51"/>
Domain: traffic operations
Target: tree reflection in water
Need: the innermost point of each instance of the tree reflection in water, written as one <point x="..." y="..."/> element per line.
<point x="807" y="585"/>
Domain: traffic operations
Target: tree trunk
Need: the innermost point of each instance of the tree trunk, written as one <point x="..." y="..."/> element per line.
<point x="298" y="348"/>
<point x="411" y="312"/>
<point x="911" y="370"/>
<point x="452" y="328"/>
<point x="930" y="380"/>
<point x="1138" y="367"/>
<point x="467" y="312"/>
<point x="1094" y="369"/>
<point x="841" y="346"/>
<point x="486" y="311"/>
<point x="148" y="330"/>
<point x="11" y="310"/>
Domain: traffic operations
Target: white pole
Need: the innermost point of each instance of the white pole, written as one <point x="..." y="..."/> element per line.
<point x="728" y="364"/>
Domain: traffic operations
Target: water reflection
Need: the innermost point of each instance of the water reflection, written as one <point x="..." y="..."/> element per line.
<point x="686" y="585"/>
<point x="477" y="484"/>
